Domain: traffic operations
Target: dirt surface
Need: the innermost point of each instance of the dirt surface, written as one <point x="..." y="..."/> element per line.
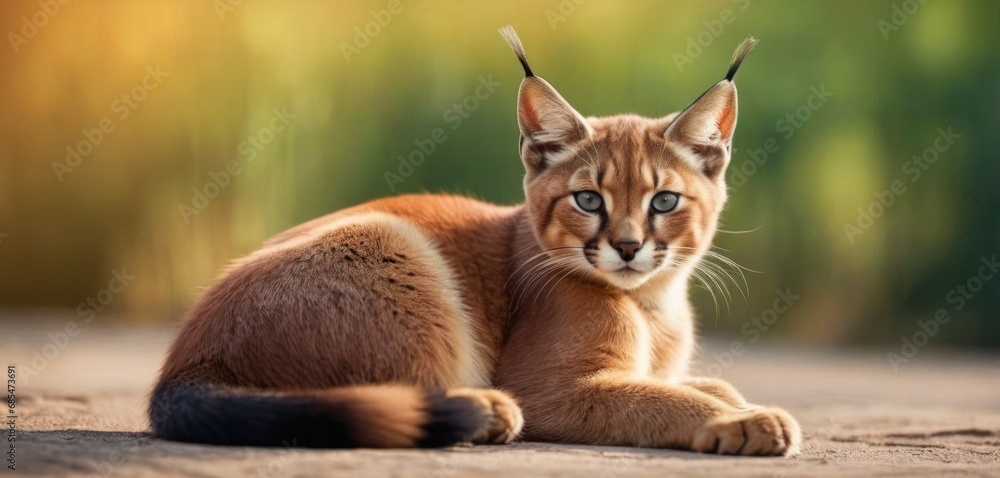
<point x="81" y="414"/>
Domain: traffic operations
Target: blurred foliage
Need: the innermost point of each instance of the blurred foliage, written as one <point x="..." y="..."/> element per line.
<point x="896" y="78"/>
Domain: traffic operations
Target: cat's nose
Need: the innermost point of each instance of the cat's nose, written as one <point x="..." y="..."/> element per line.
<point x="627" y="248"/>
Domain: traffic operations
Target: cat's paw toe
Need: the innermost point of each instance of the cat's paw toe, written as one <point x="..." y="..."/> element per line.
<point x="760" y="431"/>
<point x="504" y="420"/>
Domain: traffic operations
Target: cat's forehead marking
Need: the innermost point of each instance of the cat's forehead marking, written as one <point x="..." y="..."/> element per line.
<point x="627" y="164"/>
<point x="585" y="177"/>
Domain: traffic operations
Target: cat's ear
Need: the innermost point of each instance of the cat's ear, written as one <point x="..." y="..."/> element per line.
<point x="550" y="127"/>
<point x="704" y="131"/>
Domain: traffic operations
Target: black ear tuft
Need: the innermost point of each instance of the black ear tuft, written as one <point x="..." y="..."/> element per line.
<point x="508" y="34"/>
<point x="746" y="46"/>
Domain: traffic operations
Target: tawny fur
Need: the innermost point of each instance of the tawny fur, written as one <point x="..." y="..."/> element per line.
<point x="512" y="307"/>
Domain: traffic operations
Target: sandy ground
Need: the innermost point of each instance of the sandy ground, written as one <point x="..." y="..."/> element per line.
<point x="939" y="415"/>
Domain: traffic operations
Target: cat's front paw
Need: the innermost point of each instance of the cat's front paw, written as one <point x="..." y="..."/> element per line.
<point x="761" y="431"/>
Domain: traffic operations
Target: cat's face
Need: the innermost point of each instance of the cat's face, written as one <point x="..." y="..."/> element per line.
<point x="625" y="198"/>
<point x="626" y="205"/>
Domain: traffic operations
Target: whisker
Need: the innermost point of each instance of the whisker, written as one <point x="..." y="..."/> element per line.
<point x="533" y="275"/>
<point x="527" y="278"/>
<point x="726" y="274"/>
<point x="592" y="160"/>
<point x="723" y="289"/>
<point x="550" y="271"/>
<point x="697" y="275"/>
<point x="543" y="253"/>
<point x="731" y="262"/>
<point x="569" y="271"/>
<point x="739" y="269"/>
<point x="740" y="232"/>
<point x="724" y="270"/>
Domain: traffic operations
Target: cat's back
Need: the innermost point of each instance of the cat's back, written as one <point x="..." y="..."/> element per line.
<point x="471" y="242"/>
<point x="451" y="220"/>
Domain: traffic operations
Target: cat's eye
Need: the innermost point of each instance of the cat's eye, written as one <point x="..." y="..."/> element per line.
<point x="589" y="201"/>
<point x="665" y="202"/>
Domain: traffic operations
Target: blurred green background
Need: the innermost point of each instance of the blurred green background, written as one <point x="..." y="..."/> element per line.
<point x="898" y="71"/>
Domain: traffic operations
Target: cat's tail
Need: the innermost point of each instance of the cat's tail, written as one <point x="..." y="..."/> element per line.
<point x="371" y="416"/>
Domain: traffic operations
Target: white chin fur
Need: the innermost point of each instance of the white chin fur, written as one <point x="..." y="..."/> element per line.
<point x="611" y="265"/>
<point x="627" y="280"/>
